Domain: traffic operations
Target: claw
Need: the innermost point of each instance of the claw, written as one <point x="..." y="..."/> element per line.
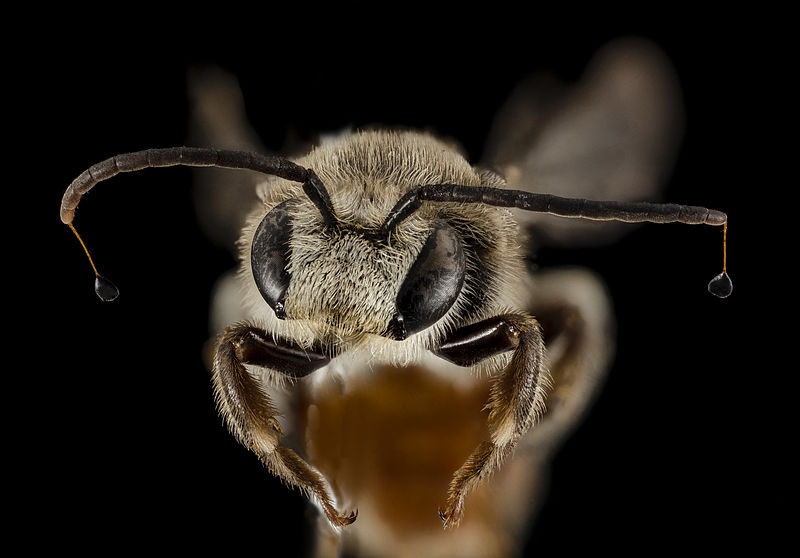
<point x="341" y="520"/>
<point x="350" y="518"/>
<point x="451" y="517"/>
<point x="276" y="426"/>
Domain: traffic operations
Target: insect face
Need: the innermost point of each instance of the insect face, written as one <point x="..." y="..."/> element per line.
<point x="345" y="278"/>
<point x="352" y="278"/>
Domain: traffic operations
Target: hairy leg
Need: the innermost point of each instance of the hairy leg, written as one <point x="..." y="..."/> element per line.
<point x="245" y="405"/>
<point x="516" y="397"/>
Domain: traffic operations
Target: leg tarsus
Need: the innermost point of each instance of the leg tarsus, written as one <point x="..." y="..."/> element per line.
<point x="290" y="467"/>
<point x="484" y="460"/>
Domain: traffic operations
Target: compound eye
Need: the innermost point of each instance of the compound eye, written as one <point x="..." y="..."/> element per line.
<point x="432" y="285"/>
<point x="269" y="256"/>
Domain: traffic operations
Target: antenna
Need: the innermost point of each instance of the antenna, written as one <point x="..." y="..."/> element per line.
<point x="577" y="208"/>
<point x="189" y="157"/>
<point x="630" y="212"/>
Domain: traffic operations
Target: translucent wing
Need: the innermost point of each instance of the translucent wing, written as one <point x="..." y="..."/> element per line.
<point x="218" y="119"/>
<point x="612" y="136"/>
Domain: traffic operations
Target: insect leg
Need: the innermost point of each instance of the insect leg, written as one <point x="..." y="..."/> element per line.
<point x="516" y="396"/>
<point x="249" y="413"/>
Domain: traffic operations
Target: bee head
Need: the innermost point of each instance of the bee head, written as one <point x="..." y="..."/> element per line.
<point x="353" y="278"/>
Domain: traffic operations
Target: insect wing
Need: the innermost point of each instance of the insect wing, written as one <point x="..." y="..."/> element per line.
<point x="218" y="119"/>
<point x="613" y="136"/>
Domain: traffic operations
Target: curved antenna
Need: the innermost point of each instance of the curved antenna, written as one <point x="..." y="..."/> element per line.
<point x="190" y="157"/>
<point x="195" y="157"/>
<point x="579" y="208"/>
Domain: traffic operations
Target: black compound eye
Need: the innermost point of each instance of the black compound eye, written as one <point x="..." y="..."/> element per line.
<point x="269" y="256"/>
<point x="431" y="285"/>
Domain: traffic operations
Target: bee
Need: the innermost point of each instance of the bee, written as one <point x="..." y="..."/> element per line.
<point x="384" y="280"/>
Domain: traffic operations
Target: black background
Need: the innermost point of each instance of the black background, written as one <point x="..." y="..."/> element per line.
<point x="116" y="421"/>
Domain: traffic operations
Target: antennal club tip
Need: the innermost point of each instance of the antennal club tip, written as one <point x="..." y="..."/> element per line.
<point x="105" y="289"/>
<point x="721" y="286"/>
